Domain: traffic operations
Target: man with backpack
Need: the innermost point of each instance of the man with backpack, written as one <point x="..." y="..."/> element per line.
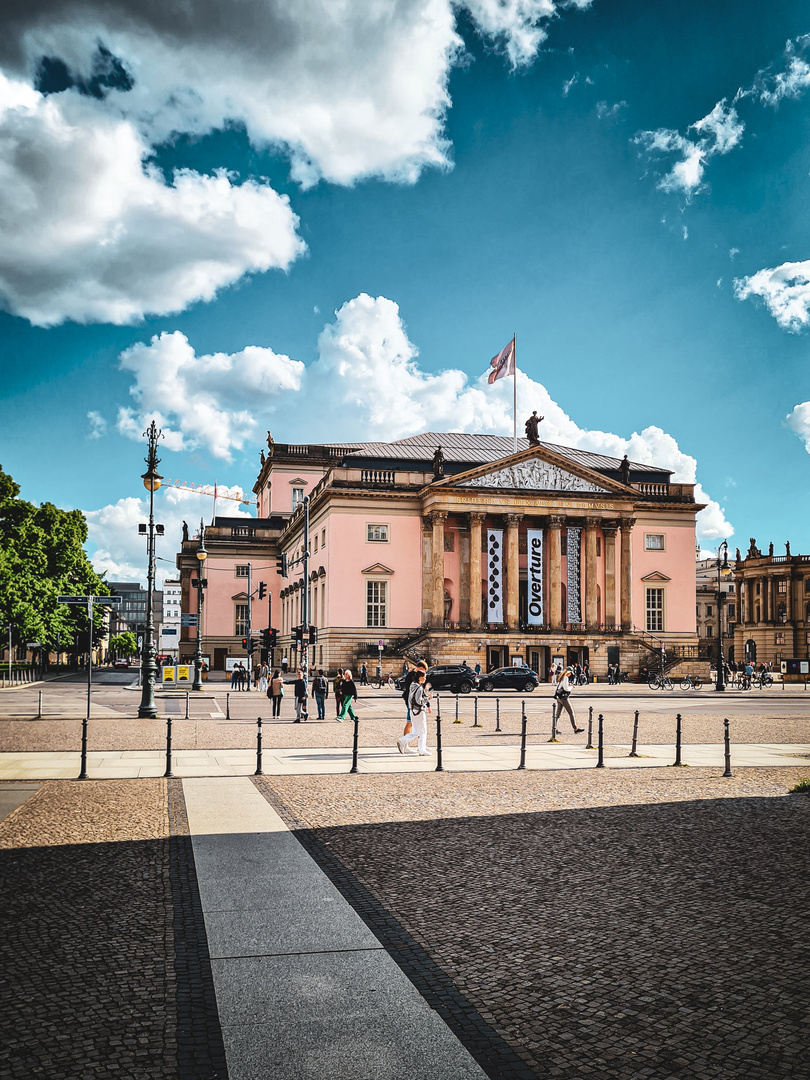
<point x="320" y="688"/>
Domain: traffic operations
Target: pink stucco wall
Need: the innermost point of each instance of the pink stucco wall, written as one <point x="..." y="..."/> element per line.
<point x="277" y="498"/>
<point x="676" y="562"/>
<point x="223" y="585"/>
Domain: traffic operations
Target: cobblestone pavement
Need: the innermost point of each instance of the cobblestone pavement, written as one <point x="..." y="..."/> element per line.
<point x="610" y="925"/>
<point x="103" y="950"/>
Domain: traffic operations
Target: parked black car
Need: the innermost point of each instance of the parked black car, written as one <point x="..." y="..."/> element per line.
<point x="509" y="678"/>
<point x="457" y="678"/>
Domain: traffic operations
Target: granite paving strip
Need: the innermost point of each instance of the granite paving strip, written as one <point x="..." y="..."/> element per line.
<point x="610" y="924"/>
<point x="304" y="989"/>
<point x="102" y="950"/>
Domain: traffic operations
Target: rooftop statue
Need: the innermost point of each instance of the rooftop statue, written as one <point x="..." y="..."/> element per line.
<point x="624" y="470"/>
<point x="438" y="464"/>
<point x="533" y="428"/>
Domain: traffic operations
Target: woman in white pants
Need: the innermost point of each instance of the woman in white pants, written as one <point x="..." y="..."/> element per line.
<point x="419" y="703"/>
<point x="562" y="692"/>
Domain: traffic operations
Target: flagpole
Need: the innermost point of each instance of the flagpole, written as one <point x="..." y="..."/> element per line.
<point x="514" y="399"/>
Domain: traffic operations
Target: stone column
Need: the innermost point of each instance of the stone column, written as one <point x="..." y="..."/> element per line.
<point x="463" y="574"/>
<point x="427" y="570"/>
<point x="789" y="596"/>
<point x="438" y="519"/>
<point x="750" y="610"/>
<point x="609" y="533"/>
<point x="554" y="590"/>
<point x="476" y="524"/>
<point x="769" y="612"/>
<point x="626" y="526"/>
<point x="591" y="619"/>
<point x="512" y="570"/>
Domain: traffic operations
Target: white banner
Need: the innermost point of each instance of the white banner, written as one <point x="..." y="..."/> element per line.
<point x="574" y="607"/>
<point x="534" y="540"/>
<point x="494" y="575"/>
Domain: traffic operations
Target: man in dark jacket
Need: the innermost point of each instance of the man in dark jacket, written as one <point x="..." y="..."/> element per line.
<point x="300" y="694"/>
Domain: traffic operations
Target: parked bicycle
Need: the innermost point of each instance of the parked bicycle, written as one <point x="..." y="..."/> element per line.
<point x="689" y="682"/>
<point x="660" y="682"/>
<point x="384" y="681"/>
<point x="763" y="681"/>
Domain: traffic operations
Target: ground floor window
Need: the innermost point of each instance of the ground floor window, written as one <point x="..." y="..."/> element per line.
<point x="655" y="610"/>
<point x="241" y="620"/>
<point x="376" y="603"/>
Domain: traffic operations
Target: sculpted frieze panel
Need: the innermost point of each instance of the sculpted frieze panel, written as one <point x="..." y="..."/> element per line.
<point x="533" y="476"/>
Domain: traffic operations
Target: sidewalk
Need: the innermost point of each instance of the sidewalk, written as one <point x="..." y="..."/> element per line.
<point x="307" y="761"/>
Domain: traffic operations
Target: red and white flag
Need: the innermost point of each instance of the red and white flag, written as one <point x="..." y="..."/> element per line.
<point x="503" y="364"/>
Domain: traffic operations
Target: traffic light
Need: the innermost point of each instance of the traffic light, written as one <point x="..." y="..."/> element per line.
<point x="262" y="590"/>
<point x="273" y="641"/>
<point x="281" y="563"/>
<point x="244" y="643"/>
<point x="313" y="635"/>
<point x="298" y="634"/>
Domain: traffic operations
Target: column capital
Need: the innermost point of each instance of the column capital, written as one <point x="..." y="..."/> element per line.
<point x="610" y="528"/>
<point x="476" y="518"/>
<point x="513" y="519"/>
<point x="593" y="523"/>
<point x="435" y="517"/>
<point x="626" y="524"/>
<point x="556" y="522"/>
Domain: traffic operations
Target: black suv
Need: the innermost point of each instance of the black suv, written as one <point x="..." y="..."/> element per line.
<point x="457" y="678"/>
<point x="510" y="678"/>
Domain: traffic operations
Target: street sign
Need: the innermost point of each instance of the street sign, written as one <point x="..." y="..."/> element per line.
<point x="379" y="644"/>
<point x="188" y="618"/>
<point x="110" y="601"/>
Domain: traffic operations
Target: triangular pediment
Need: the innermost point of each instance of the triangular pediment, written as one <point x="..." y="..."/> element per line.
<point x="535" y="469"/>
<point x="656" y="575"/>
<point x="377" y="568"/>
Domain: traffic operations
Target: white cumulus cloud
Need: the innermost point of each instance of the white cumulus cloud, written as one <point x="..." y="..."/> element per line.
<point x="799" y="421"/>
<point x="91" y="233"/>
<point x="785" y="291"/>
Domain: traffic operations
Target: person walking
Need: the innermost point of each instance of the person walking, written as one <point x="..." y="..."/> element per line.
<point x="236" y="678"/>
<point x="263" y="670"/>
<point x="562" y="693"/>
<point x="418" y="707"/>
<point x="275" y="692"/>
<point x="363" y="675"/>
<point x="348" y="693"/>
<point x="300" y="694"/>
<point x="257" y="674"/>
<point x="320" y="688"/>
<point x="338" y="679"/>
<point x="410" y="679"/>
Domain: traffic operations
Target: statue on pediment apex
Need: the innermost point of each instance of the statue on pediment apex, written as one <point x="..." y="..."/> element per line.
<point x="753" y="550"/>
<point x="532" y="428"/>
<point x="624" y="471"/>
<point x="270" y="442"/>
<point x="438" y="464"/>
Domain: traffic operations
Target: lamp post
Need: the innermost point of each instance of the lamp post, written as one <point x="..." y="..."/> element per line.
<point x="151" y="481"/>
<point x="200" y="584"/>
<point x="722" y="568"/>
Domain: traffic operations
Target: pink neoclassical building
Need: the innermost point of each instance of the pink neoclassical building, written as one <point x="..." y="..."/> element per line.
<point x="453" y="547"/>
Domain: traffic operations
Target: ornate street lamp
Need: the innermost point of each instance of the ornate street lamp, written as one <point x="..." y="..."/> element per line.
<point x="722" y="568"/>
<point x="151" y="481"/>
<point x="200" y="584"/>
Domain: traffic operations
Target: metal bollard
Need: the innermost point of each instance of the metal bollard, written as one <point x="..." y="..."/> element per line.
<point x="600" y="762"/>
<point x="522" y="764"/>
<point x="439" y="765"/>
<point x="456" y="721"/>
<point x="83" y="773"/>
<point x="39" y="710"/>
<point x="475" y="722"/>
<point x="228" y="706"/>
<point x="677" y="762"/>
<point x="259" y="769"/>
<point x="168" y="772"/>
<point x="186" y="704"/>
<point x="727" y="740"/>
<point x="635" y="737"/>
<point x="590" y="728"/>
<point x="354" y="768"/>
<point x="498" y="713"/>
<point x="553" y="722"/>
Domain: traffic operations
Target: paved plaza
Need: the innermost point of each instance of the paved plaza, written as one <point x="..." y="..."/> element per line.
<point x="562" y="921"/>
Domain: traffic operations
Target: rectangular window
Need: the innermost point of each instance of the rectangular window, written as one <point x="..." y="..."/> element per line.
<point x="654" y="541"/>
<point x="377" y="533"/>
<point x="782" y="585"/>
<point x="323" y="538"/>
<point x="297" y="497"/>
<point x="376" y="595"/>
<point x="731" y="588"/>
<point x="731" y="609"/>
<point x="780" y="639"/>
<point x="709" y="631"/>
<point x="599" y="547"/>
<point x="709" y="610"/>
<point x="655" y="610"/>
<point x="241" y="611"/>
<point x="241" y="571"/>
<point x="315" y="545"/>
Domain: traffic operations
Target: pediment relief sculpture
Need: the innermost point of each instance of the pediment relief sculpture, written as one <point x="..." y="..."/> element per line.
<point x="534" y="475"/>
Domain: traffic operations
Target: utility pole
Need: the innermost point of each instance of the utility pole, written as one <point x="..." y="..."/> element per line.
<point x="305" y="596"/>
<point x="249" y="639"/>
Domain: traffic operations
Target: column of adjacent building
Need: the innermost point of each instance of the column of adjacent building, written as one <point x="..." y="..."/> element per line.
<point x="438" y="517"/>
<point x="591" y="584"/>
<point x="554" y="591"/>
<point x="626" y="571"/>
<point x="476" y="525"/>
<point x="512" y="570"/>
<point x="609" y="533"/>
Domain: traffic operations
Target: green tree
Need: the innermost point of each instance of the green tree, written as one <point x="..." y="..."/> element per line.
<point x="125" y="644"/>
<point x="42" y="556"/>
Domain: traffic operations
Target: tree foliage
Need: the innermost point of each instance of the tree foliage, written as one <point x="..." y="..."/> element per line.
<point x="125" y="644"/>
<point x="41" y="557"/>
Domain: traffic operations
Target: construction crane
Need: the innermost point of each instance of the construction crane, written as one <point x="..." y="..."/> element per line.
<point x="206" y="489"/>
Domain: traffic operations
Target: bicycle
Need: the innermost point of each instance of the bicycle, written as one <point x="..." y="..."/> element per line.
<point x="385" y="682"/>
<point x="660" y="682"/>
<point x="763" y="681"/>
<point x="689" y="682"/>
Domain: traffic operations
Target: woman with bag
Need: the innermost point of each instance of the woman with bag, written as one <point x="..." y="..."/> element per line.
<point x="275" y="691"/>
<point x="562" y="693"/>
<point x="348" y="694"/>
<point x="419" y="704"/>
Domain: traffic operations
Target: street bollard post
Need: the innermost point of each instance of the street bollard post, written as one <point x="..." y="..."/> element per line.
<point x="354" y="768"/>
<point x="83" y="772"/>
<point x="590" y="728"/>
<point x="635" y="737"/>
<point x="600" y="762"/>
<point x="259" y="769"/>
<point x="475" y="721"/>
<point x="727" y="740"/>
<point x="228" y="706"/>
<point x="456" y="721"/>
<point x="439" y="765"/>
<point x="522" y="764"/>
<point x="39" y="710"/>
<point x="186" y="704"/>
<point x="677" y="763"/>
<point x="553" y="722"/>
<point x="498" y="713"/>
<point x="168" y="772"/>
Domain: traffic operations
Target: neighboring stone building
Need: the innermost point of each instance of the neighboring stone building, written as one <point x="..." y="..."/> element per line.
<point x="131" y="615"/>
<point x="707" y="609"/>
<point x="774" y="603"/>
<point x="169" y="639"/>
<point x="453" y="547"/>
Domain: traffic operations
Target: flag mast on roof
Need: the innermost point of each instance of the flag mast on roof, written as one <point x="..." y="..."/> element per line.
<point x="505" y="363"/>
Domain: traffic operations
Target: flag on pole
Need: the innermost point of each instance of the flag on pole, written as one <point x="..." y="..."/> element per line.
<point x="503" y="364"/>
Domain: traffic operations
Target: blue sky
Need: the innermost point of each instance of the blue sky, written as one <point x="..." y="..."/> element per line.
<point x="327" y="229"/>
